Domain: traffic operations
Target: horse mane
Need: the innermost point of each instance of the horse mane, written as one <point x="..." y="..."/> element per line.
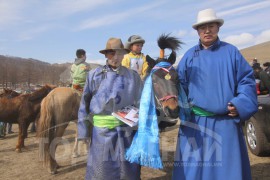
<point x="41" y="93"/>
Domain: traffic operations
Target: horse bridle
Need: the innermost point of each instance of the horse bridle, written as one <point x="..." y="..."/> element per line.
<point x="165" y="98"/>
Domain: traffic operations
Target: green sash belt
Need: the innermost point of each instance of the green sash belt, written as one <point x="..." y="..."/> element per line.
<point x="200" y="112"/>
<point x="107" y="121"/>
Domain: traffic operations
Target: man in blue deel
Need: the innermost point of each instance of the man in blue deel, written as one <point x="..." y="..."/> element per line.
<point x="108" y="89"/>
<point x="221" y="91"/>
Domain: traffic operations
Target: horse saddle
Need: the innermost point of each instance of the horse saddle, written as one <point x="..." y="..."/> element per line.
<point x="77" y="87"/>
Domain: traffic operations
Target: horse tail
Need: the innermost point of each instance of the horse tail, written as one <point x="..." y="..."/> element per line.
<point x="46" y="130"/>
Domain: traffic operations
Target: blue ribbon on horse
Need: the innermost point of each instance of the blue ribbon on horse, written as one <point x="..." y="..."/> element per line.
<point x="144" y="149"/>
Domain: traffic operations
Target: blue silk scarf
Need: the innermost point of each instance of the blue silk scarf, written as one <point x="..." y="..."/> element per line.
<point x="144" y="149"/>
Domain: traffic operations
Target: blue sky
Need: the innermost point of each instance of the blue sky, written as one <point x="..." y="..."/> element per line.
<point x="52" y="30"/>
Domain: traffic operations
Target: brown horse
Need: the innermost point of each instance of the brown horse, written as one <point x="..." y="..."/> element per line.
<point x="8" y="93"/>
<point x="22" y="110"/>
<point x="165" y="82"/>
<point x="57" y="110"/>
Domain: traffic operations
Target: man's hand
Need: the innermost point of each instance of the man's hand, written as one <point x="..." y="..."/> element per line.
<point x="232" y="110"/>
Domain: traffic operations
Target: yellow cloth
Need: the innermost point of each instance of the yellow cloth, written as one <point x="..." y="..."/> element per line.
<point x="126" y="62"/>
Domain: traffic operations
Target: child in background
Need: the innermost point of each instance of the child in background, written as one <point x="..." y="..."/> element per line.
<point x="79" y="70"/>
<point x="135" y="60"/>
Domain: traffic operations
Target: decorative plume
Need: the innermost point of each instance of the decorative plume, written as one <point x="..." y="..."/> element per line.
<point x="170" y="42"/>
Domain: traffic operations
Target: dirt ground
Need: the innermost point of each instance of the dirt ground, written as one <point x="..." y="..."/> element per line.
<point x="26" y="165"/>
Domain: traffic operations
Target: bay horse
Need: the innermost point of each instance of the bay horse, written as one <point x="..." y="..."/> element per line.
<point x="22" y="110"/>
<point x="165" y="81"/>
<point x="57" y="109"/>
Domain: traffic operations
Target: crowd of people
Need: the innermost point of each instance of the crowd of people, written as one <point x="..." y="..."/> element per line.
<point x="262" y="76"/>
<point x="220" y="88"/>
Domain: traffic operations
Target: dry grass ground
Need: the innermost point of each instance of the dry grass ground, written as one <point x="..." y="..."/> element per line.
<point x="26" y="166"/>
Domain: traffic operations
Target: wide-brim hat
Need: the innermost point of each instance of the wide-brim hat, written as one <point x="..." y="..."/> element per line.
<point x="113" y="44"/>
<point x="207" y="16"/>
<point x="134" y="39"/>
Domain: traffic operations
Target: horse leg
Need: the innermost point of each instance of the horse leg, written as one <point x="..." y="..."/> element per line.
<point x="85" y="142"/>
<point x="24" y="133"/>
<point x="20" y="139"/>
<point x="75" y="153"/>
<point x="59" y="133"/>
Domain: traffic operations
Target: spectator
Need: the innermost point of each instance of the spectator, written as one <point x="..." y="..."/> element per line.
<point x="2" y="130"/>
<point x="9" y="128"/>
<point x="79" y="70"/>
<point x="267" y="68"/>
<point x="264" y="80"/>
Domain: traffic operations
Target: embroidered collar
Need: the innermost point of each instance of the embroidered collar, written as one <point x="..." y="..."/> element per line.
<point x="214" y="46"/>
<point x="118" y="70"/>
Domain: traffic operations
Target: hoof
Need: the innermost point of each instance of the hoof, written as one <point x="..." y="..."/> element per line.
<point x="75" y="155"/>
<point x="18" y="150"/>
<point x="53" y="172"/>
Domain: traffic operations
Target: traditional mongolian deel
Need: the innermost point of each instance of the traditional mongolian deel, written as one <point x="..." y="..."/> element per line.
<point x="107" y="91"/>
<point x="206" y="149"/>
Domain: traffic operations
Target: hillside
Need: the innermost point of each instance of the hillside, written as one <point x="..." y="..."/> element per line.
<point x="259" y="51"/>
<point x="21" y="72"/>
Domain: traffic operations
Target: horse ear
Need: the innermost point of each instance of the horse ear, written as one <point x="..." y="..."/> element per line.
<point x="151" y="62"/>
<point x="172" y="58"/>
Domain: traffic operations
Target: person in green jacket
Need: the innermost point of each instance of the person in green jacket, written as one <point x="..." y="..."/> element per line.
<point x="79" y="70"/>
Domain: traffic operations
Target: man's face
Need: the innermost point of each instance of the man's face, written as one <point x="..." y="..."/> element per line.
<point x="115" y="57"/>
<point x="208" y="33"/>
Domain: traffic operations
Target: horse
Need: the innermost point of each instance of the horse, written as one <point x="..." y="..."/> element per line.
<point x="57" y="110"/>
<point x="9" y="93"/>
<point x="22" y="110"/>
<point x="165" y="81"/>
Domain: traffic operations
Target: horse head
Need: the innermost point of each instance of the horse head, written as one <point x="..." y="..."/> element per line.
<point x="8" y="93"/>
<point x="41" y="93"/>
<point x="165" y="77"/>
